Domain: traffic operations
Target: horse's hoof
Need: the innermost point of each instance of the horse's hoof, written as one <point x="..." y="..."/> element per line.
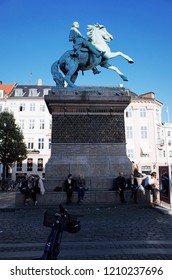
<point x="130" y="61"/>
<point x="124" y="78"/>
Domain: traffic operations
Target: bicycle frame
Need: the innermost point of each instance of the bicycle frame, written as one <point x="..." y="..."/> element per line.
<point x="63" y="221"/>
<point x="52" y="247"/>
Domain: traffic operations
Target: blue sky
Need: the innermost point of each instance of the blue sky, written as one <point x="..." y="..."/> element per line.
<point x="34" y="33"/>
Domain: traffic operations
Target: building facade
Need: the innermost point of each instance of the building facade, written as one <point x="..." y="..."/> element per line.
<point x="166" y="142"/>
<point x="32" y="116"/>
<point x="143" y="128"/>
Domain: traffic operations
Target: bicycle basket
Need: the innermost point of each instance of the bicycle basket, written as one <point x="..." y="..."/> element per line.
<point x="72" y="225"/>
<point x="50" y="217"/>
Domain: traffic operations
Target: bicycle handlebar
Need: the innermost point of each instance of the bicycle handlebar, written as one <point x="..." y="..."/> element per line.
<point x="70" y="222"/>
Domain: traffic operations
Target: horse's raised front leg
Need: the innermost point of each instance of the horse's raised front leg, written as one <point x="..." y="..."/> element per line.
<point x="111" y="67"/>
<point x="115" y="54"/>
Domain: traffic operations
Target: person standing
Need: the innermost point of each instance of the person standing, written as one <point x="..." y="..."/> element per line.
<point x="120" y="183"/>
<point x="132" y="185"/>
<point x="69" y="188"/>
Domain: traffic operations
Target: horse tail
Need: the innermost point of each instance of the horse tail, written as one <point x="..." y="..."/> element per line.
<point x="57" y="76"/>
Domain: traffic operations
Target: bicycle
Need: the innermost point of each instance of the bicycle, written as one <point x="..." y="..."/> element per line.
<point x="7" y="185"/>
<point x="59" y="222"/>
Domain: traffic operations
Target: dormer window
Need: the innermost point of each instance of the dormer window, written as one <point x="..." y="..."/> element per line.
<point x="18" y="92"/>
<point x="33" y="92"/>
<point x="1" y="93"/>
<point x="46" y="91"/>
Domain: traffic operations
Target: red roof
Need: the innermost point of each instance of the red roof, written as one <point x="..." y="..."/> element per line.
<point x="7" y="88"/>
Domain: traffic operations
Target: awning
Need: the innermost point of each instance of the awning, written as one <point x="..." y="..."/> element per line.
<point x="145" y="150"/>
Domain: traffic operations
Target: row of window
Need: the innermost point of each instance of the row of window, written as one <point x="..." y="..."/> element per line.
<point x="40" y="144"/>
<point x="32" y="92"/>
<point x="143" y="132"/>
<point x="30" y="165"/>
<point x="32" y="124"/>
<point x="32" y="107"/>
<point x="162" y="153"/>
<point x="142" y="112"/>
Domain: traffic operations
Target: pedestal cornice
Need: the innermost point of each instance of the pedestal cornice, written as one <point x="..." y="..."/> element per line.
<point x="99" y="100"/>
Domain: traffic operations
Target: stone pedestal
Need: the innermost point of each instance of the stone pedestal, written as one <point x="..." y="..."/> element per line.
<point x="88" y="136"/>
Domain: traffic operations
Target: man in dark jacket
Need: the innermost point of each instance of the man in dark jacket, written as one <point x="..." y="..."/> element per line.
<point x="69" y="188"/>
<point x="132" y="185"/>
<point x="120" y="184"/>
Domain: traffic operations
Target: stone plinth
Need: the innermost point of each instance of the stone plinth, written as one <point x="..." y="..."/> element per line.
<point x="88" y="135"/>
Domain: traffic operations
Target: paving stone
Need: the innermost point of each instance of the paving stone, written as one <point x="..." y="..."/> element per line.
<point x="107" y="232"/>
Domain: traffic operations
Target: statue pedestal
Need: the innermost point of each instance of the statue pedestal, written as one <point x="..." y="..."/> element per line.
<point x="88" y="136"/>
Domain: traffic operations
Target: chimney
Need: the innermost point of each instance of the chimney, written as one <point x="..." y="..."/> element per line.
<point x="0" y="82"/>
<point x="39" y="82"/>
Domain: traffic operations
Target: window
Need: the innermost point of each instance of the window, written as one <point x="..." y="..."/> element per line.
<point x="169" y="143"/>
<point x="170" y="153"/>
<point x="158" y="133"/>
<point x="33" y="92"/>
<point x="129" y="132"/>
<point x="49" y="146"/>
<point x="41" y="143"/>
<point x="128" y="113"/>
<point x="42" y="124"/>
<point x="50" y="124"/>
<point x="157" y="115"/>
<point x="31" y="124"/>
<point x="146" y="170"/>
<point x="168" y="133"/>
<point x="1" y="107"/>
<point x="144" y="133"/>
<point x="21" y="124"/>
<point x="19" y="165"/>
<point x="130" y="153"/>
<point x="22" y="107"/>
<point x="143" y="112"/>
<point x="30" y="144"/>
<point x="12" y="107"/>
<point x="42" y="107"/>
<point x="46" y="90"/>
<point x="1" y="93"/>
<point x="29" y="164"/>
<point x="32" y="106"/>
<point x="160" y="153"/>
<point x="40" y="164"/>
<point x="18" y="92"/>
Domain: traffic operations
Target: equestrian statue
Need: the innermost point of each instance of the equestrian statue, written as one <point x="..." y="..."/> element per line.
<point x="86" y="55"/>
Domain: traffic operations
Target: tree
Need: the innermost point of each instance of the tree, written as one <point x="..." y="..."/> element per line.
<point x="12" y="146"/>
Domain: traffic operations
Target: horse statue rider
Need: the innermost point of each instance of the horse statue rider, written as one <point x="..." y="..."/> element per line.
<point x="79" y="42"/>
<point x="86" y="55"/>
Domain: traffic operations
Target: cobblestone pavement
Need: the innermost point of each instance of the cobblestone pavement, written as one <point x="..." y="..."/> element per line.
<point x="108" y="232"/>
